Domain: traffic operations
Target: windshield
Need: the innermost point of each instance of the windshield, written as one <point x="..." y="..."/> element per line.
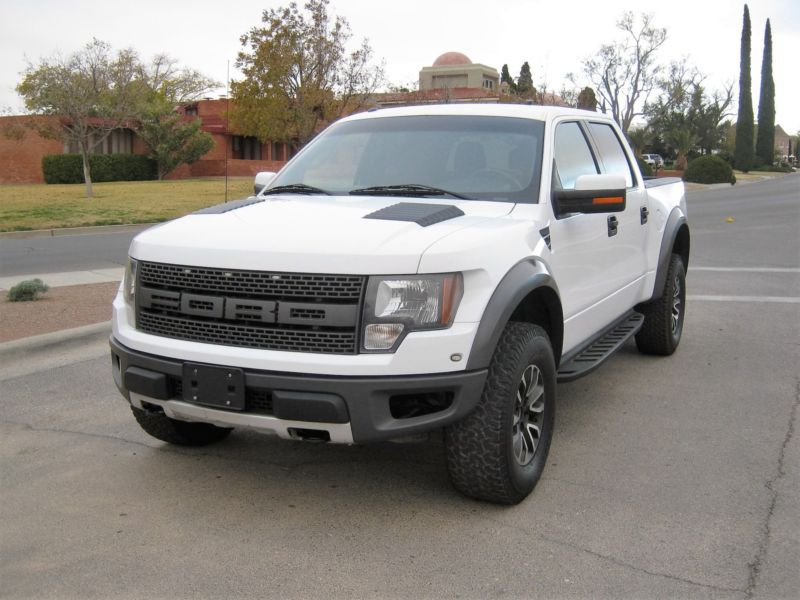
<point x="477" y="157"/>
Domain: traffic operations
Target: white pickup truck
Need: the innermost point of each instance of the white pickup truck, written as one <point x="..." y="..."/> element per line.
<point x="410" y="270"/>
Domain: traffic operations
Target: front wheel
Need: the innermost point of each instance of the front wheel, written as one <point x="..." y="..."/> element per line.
<point x="663" y="318"/>
<point x="499" y="451"/>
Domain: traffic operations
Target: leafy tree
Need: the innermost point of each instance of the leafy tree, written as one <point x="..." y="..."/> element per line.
<point x="525" y="80"/>
<point x="765" y="141"/>
<point x="170" y="138"/>
<point x="91" y="92"/>
<point x="685" y="115"/>
<point x="709" y="117"/>
<point x="638" y="138"/>
<point x="587" y="99"/>
<point x="299" y="75"/>
<point x="744" y="154"/>
<point x="624" y="73"/>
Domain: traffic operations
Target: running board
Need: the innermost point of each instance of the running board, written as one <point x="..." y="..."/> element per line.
<point x="591" y="357"/>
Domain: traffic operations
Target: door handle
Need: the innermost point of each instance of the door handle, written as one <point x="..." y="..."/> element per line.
<point x="613" y="226"/>
<point x="644" y="213"/>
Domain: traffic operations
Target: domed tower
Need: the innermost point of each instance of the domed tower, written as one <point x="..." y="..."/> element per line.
<point x="455" y="70"/>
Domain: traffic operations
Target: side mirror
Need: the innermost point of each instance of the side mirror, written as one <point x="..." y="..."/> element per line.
<point x="592" y="194"/>
<point x="262" y="180"/>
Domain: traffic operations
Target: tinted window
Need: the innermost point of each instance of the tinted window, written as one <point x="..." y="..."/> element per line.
<point x="572" y="155"/>
<point x="483" y="158"/>
<point x="612" y="156"/>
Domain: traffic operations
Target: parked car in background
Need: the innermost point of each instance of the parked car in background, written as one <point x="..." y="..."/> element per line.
<point x="654" y="160"/>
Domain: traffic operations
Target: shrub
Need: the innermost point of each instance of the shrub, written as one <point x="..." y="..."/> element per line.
<point x="646" y="169"/>
<point x="68" y="168"/>
<point x="27" y="290"/>
<point x="727" y="156"/>
<point x="709" y="169"/>
<point x="773" y="168"/>
<point x="62" y="168"/>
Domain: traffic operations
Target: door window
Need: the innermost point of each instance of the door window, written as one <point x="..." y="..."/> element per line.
<point x="572" y="155"/>
<point x="612" y="156"/>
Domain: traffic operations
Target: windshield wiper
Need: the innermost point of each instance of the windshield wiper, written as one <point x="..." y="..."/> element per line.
<point x="405" y="189"/>
<point x="294" y="188"/>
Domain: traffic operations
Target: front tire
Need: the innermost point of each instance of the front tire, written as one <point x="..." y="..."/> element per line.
<point x="181" y="433"/>
<point x="498" y="453"/>
<point x="663" y="318"/>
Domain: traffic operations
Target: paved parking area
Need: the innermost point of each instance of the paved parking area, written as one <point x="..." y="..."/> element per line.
<point x="673" y="477"/>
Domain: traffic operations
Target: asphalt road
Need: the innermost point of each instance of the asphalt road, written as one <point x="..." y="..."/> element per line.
<point x="672" y="477"/>
<point x="62" y="253"/>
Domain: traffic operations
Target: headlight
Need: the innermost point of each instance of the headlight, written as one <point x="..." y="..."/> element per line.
<point x="129" y="281"/>
<point x="397" y="305"/>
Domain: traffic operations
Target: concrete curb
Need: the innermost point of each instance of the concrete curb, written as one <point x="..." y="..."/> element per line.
<point x="66" y="231"/>
<point x="55" y="338"/>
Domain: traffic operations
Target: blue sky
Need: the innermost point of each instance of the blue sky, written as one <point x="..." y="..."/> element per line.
<point x="554" y="37"/>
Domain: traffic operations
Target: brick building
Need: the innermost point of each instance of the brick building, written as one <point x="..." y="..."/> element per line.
<point x="22" y="148"/>
<point x="453" y="78"/>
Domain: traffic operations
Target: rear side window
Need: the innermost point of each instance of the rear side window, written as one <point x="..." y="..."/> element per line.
<point x="612" y="156"/>
<point x="573" y="157"/>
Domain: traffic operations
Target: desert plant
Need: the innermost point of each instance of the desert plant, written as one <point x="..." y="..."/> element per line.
<point x="709" y="169"/>
<point x="27" y="290"/>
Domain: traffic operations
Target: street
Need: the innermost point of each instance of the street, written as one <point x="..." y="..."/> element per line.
<point x="667" y="477"/>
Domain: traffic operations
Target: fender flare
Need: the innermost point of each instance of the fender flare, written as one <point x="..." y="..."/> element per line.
<point x="523" y="278"/>
<point x="675" y="222"/>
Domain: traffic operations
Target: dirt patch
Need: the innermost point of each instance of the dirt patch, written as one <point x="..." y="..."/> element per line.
<point x="60" y="308"/>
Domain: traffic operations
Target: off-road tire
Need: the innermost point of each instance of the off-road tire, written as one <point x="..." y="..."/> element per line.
<point x="181" y="433"/>
<point x="662" y="329"/>
<point x="480" y="449"/>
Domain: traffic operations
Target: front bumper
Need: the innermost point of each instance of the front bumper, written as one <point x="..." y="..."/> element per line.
<point x="339" y="409"/>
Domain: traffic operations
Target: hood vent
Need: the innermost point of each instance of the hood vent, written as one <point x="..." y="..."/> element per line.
<point x="417" y="212"/>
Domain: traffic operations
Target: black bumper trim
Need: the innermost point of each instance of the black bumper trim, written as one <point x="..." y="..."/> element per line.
<point x="367" y="399"/>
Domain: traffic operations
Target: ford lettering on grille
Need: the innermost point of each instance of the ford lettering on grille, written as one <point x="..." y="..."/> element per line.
<point x="281" y="311"/>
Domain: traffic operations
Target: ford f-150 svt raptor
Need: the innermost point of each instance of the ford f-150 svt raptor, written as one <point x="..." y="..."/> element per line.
<point x="411" y="269"/>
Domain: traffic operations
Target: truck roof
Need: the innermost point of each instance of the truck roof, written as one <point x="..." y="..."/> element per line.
<point x="520" y="111"/>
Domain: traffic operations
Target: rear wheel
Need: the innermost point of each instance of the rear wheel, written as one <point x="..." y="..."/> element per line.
<point x="181" y="433"/>
<point x="663" y="318"/>
<point x="499" y="451"/>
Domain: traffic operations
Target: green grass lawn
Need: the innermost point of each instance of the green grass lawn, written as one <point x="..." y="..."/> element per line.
<point x="42" y="206"/>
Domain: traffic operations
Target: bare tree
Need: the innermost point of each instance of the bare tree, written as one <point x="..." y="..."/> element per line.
<point x="625" y="72"/>
<point x="176" y="84"/>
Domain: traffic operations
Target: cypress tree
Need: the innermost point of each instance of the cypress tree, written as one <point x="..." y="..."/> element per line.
<point x="525" y="79"/>
<point x="744" y="154"/>
<point x="765" y="140"/>
<point x="505" y="77"/>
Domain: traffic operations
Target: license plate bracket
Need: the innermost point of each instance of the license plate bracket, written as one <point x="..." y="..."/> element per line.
<point x="218" y="387"/>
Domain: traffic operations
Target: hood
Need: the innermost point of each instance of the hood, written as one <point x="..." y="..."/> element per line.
<point x="314" y="234"/>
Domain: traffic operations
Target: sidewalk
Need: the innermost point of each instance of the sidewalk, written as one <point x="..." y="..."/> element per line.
<point x="77" y="304"/>
<point x="66" y="279"/>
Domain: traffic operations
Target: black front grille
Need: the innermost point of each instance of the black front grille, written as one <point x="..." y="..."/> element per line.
<point x="294" y="312"/>
<point x="231" y="334"/>
<point x="252" y="283"/>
